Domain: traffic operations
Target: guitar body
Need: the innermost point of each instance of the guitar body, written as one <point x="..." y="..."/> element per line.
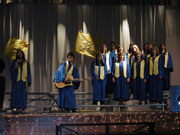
<point x="64" y="84"/>
<point x="69" y="83"/>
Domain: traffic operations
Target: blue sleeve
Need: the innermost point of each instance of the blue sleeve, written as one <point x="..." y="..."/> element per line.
<point x="145" y="71"/>
<point x="147" y="68"/>
<point x="113" y="59"/>
<point x="75" y="74"/>
<point x="128" y="71"/>
<point x="126" y="57"/>
<point x="110" y="63"/>
<point x="29" y="74"/>
<point x="170" y="63"/>
<point x="161" y="67"/>
<point x="113" y="70"/>
<point x="132" y="71"/>
<point x="13" y="71"/>
<point x="60" y="73"/>
<point x="93" y="75"/>
<point x="105" y="70"/>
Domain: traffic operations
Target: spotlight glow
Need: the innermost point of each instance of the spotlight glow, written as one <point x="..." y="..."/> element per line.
<point x="179" y="102"/>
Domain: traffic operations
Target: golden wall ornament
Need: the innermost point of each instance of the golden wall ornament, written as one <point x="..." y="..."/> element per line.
<point x="13" y="45"/>
<point x="88" y="45"/>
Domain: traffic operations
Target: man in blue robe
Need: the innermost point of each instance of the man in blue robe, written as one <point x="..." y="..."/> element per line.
<point x="66" y="96"/>
<point x="109" y="84"/>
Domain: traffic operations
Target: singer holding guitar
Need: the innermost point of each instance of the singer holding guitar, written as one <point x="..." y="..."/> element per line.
<point x="66" y="96"/>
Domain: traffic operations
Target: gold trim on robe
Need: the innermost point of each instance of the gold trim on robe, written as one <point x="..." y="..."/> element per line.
<point x="70" y="70"/>
<point x="166" y="60"/>
<point x="22" y="75"/>
<point x="153" y="67"/>
<point x="147" y="57"/>
<point x="107" y="60"/>
<point x="117" y="73"/>
<point x="96" y="68"/>
<point x="141" y="69"/>
<point x="131" y="57"/>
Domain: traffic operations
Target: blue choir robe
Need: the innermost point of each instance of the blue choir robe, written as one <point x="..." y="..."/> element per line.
<point x="131" y="60"/>
<point x="98" y="85"/>
<point x="109" y="84"/>
<point x="167" y="70"/>
<point x="66" y="96"/>
<point x="155" y="83"/>
<point x="106" y="60"/>
<point x="121" y="91"/>
<point x="19" y="87"/>
<point x="146" y="58"/>
<point x="127" y="57"/>
<point x="138" y="84"/>
<point x="113" y="57"/>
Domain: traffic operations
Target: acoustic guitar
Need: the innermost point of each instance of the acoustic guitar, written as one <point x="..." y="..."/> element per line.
<point x="60" y="85"/>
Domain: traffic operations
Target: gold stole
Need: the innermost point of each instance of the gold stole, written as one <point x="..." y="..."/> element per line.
<point x="153" y="67"/>
<point x="147" y="56"/>
<point x="117" y="73"/>
<point x="166" y="60"/>
<point x="141" y="69"/>
<point x="70" y="70"/>
<point x="131" y="57"/>
<point x="116" y="51"/>
<point x="22" y="75"/>
<point x="107" y="60"/>
<point x="101" y="71"/>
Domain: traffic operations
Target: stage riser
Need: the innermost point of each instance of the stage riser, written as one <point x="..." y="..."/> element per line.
<point x="34" y="124"/>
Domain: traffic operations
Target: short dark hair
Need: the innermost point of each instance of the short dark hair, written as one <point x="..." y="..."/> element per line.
<point x="112" y="42"/>
<point x="71" y="54"/>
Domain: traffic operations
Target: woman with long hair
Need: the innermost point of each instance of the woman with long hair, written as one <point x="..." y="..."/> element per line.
<point x="98" y="74"/>
<point x="139" y="78"/>
<point x="121" y="77"/>
<point x="156" y="75"/>
<point x="168" y="65"/>
<point x="21" y="80"/>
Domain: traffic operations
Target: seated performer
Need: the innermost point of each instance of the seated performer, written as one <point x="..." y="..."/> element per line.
<point x="66" y="96"/>
<point x="98" y="73"/>
<point x="21" y="80"/>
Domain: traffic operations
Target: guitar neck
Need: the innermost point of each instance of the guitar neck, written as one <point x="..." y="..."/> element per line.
<point x="78" y="79"/>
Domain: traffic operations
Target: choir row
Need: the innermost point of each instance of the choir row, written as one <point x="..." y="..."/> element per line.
<point x="145" y="74"/>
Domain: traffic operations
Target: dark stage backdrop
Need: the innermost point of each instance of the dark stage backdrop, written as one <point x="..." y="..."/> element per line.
<point x="51" y="31"/>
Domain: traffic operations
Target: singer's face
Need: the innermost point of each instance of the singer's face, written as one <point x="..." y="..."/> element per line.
<point x="70" y="59"/>
<point x="99" y="58"/>
<point x="20" y="54"/>
<point x="163" y="47"/>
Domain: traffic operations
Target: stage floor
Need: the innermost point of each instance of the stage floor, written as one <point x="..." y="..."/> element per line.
<point x="44" y="123"/>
